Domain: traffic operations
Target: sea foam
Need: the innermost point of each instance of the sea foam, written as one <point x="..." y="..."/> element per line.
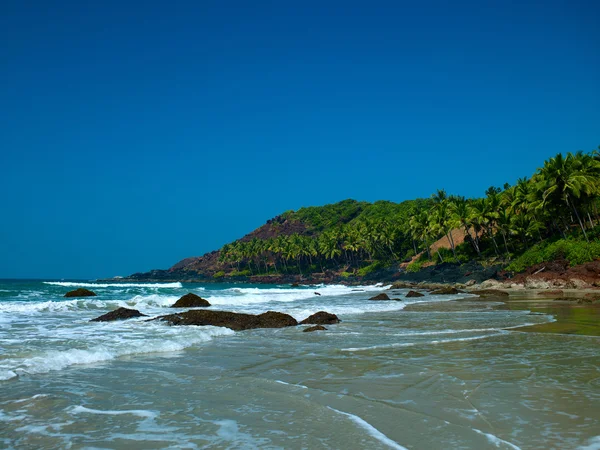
<point x="104" y="285"/>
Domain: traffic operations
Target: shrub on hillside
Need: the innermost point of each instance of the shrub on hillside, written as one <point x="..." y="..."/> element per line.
<point x="576" y="251"/>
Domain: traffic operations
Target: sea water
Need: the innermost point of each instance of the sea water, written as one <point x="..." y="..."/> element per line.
<point x="385" y="377"/>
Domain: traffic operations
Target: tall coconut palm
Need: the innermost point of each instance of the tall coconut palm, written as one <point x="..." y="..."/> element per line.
<point x="461" y="211"/>
<point x="562" y="181"/>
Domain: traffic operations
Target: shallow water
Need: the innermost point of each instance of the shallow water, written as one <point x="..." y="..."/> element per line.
<point x="383" y="378"/>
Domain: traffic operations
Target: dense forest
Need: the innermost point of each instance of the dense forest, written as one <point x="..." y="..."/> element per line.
<point x="554" y="213"/>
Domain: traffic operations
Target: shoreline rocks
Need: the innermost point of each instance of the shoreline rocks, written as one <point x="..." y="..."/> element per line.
<point x="381" y="296"/>
<point x="448" y="290"/>
<point x="191" y="300"/>
<point x="315" y="328"/>
<point x="119" y="314"/>
<point x="321" y="318"/>
<point x="486" y="293"/>
<point x="413" y="294"/>
<point x="81" y="292"/>
<point x="231" y="320"/>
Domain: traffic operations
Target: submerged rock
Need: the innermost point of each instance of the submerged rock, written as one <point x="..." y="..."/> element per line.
<point x="446" y="291"/>
<point x="315" y="328"/>
<point x="412" y="294"/>
<point x="484" y="293"/>
<point x="119" y="314"/>
<point x="381" y="296"/>
<point x="234" y="321"/>
<point x="81" y="292"/>
<point x="321" y="318"/>
<point x="190" y="301"/>
<point x="316" y="293"/>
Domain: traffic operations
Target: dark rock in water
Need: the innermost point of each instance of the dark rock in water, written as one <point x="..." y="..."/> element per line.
<point x="295" y="285"/>
<point x="381" y="296"/>
<point x="358" y="290"/>
<point x="80" y="293"/>
<point x="446" y="291"/>
<point x="412" y="294"/>
<point x="316" y="293"/>
<point x="119" y="314"/>
<point x="396" y="299"/>
<point x="190" y="301"/>
<point x="234" y="321"/>
<point x="321" y="318"/>
<point x="315" y="328"/>
<point x="489" y="293"/>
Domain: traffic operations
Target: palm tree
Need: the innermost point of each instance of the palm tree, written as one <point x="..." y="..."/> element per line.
<point x="462" y="213"/>
<point x="562" y="181"/>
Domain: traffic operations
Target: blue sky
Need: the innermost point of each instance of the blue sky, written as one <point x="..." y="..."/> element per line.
<point x="133" y="135"/>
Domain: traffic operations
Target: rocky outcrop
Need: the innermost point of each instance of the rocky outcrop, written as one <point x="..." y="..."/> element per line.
<point x="119" y="314"/>
<point x="81" y="292"/>
<point x="381" y="296"/>
<point x="315" y="328"/>
<point x="558" y="274"/>
<point x="191" y="300"/>
<point x="412" y="294"/>
<point x="321" y="318"/>
<point x="446" y="291"/>
<point x="234" y="321"/>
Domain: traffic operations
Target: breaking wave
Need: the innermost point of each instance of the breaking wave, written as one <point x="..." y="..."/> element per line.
<point x="176" y="285"/>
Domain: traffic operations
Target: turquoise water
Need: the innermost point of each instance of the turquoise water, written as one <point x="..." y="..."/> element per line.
<point x="456" y="377"/>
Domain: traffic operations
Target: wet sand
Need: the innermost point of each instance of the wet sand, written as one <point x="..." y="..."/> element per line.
<point x="577" y="311"/>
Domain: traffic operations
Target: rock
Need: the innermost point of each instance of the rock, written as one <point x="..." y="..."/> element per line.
<point x="381" y="296"/>
<point x="190" y="301"/>
<point x="316" y="293"/>
<point x="471" y="283"/>
<point x="491" y="284"/>
<point x="321" y="318"/>
<point x="294" y="285"/>
<point x="119" y="314"/>
<point x="234" y="321"/>
<point x="446" y="291"/>
<point x="315" y="328"/>
<point x="358" y="290"/>
<point x="485" y="293"/>
<point x="412" y="294"/>
<point x="551" y="293"/>
<point x="80" y="293"/>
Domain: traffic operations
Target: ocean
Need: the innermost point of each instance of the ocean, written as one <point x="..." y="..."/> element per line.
<point x="454" y="374"/>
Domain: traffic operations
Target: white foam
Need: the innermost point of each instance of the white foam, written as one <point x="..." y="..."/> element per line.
<point x="291" y="384"/>
<point x="371" y="430"/>
<point x="466" y="330"/>
<point x="496" y="440"/>
<point x="412" y="344"/>
<point x="161" y="340"/>
<point x="136" y="412"/>
<point x="103" y="285"/>
<point x="7" y="375"/>
<point x="592" y="444"/>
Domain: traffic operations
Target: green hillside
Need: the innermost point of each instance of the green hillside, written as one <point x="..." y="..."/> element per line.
<point x="553" y="214"/>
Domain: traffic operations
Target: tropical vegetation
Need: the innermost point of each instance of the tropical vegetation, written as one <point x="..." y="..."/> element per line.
<point x="559" y="202"/>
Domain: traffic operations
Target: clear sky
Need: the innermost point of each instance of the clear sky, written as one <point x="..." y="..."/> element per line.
<point x="134" y="134"/>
